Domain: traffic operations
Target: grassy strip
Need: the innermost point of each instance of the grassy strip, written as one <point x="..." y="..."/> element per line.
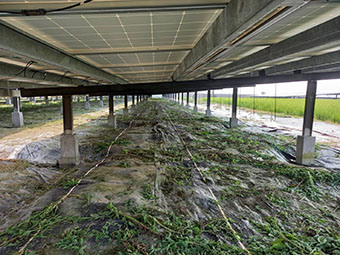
<point x="325" y="109"/>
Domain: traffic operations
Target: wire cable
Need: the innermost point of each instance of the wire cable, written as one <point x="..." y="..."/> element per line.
<point x="29" y="63"/>
<point x="42" y="12"/>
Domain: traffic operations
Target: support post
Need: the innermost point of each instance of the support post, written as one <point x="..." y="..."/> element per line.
<point x="133" y="101"/>
<point x="182" y="103"/>
<point x="46" y="100"/>
<point x="195" y="102"/>
<point x="112" y="120"/>
<point x="125" y="110"/>
<point x="305" y="144"/>
<point x="8" y="101"/>
<point x="208" y="111"/>
<point x="68" y="140"/>
<point x="233" y="121"/>
<point x="188" y="94"/>
<point x="87" y="103"/>
<point x="101" y="102"/>
<point x="17" y="116"/>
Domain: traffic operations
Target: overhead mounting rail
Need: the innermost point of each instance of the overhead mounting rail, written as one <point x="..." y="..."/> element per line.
<point x="177" y="86"/>
<point x="64" y="11"/>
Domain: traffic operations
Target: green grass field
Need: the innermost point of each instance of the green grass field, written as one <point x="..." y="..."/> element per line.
<point x="325" y="109"/>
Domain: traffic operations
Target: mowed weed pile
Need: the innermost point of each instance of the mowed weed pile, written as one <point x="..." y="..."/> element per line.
<point x="325" y="109"/>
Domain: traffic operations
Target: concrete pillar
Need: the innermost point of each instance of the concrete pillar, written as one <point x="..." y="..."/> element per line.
<point x="305" y="144"/>
<point x="125" y="110"/>
<point x="233" y="121"/>
<point x="188" y="94"/>
<point x="133" y="100"/>
<point x="78" y="99"/>
<point x="17" y="116"/>
<point x="46" y="100"/>
<point x="101" y="102"/>
<point x="195" y="102"/>
<point x="68" y="140"/>
<point x="112" y="120"/>
<point x="87" y="103"/>
<point x="8" y="101"/>
<point x="182" y="102"/>
<point x="208" y="111"/>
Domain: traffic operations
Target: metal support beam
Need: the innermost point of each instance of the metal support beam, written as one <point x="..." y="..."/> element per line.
<point x="175" y="87"/>
<point x="130" y="50"/>
<point x="195" y="102"/>
<point x="111" y="119"/>
<point x="68" y="115"/>
<point x="328" y="37"/>
<point x="326" y="62"/>
<point x="306" y="143"/>
<point x="238" y="17"/>
<point x="16" y="43"/>
<point x="233" y="121"/>
<point x="114" y="8"/>
<point x="309" y="108"/>
<point x="188" y="94"/>
<point x="87" y="102"/>
<point x="208" y="110"/>
<point x="125" y="110"/>
<point x="68" y="140"/>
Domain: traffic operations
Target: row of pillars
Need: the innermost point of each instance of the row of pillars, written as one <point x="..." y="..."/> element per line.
<point x="305" y="144"/>
<point x="68" y="141"/>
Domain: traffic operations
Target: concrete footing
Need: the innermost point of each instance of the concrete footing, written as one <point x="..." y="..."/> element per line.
<point x="87" y="105"/>
<point x="112" y="121"/>
<point x="69" y="150"/>
<point x="233" y="122"/>
<point x="208" y="112"/>
<point x="17" y="119"/>
<point x="305" y="150"/>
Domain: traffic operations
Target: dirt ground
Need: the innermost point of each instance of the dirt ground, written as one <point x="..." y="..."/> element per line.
<point x="171" y="182"/>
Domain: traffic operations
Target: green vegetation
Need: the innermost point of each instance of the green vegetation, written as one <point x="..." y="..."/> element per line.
<point x="325" y="109"/>
<point x="273" y="207"/>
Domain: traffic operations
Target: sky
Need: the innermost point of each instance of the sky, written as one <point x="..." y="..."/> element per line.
<point x="289" y="89"/>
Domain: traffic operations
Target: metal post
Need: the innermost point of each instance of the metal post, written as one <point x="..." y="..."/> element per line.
<point x="208" y="111"/>
<point x="195" y="102"/>
<point x="87" y="103"/>
<point x="188" y="99"/>
<point x="111" y="105"/>
<point x="67" y="113"/>
<point x="233" y="121"/>
<point x="306" y="143"/>
<point x="68" y="140"/>
<point x="111" y="120"/>
<point x="125" y="110"/>
<point x="309" y="109"/>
